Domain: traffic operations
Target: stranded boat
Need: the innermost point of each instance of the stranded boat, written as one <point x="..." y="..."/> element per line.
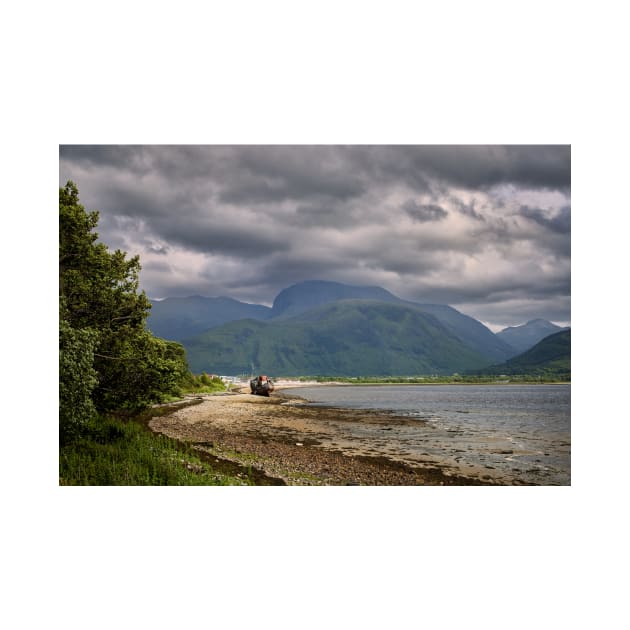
<point x="261" y="385"/>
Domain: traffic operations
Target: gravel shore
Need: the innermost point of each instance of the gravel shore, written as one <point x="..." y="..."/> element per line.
<point x="286" y="442"/>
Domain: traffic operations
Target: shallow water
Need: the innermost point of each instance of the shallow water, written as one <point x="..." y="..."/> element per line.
<point x="508" y="432"/>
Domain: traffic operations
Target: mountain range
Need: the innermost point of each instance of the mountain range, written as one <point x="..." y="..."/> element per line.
<point x="321" y="327"/>
<point x="551" y="355"/>
<point x="179" y="318"/>
<point x="523" y="337"/>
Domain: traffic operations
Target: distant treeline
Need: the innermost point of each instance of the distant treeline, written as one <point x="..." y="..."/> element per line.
<point x="428" y="380"/>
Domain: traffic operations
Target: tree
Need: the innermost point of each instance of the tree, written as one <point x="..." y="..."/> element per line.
<point x="100" y="288"/>
<point x="102" y="308"/>
<point x="77" y="379"/>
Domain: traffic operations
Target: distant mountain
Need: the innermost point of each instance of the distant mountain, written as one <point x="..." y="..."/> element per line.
<point x="302" y="297"/>
<point x="178" y="318"/>
<point x="523" y="337"/>
<point x="181" y="319"/>
<point x="549" y="357"/>
<point x="472" y="332"/>
<point x="306" y="295"/>
<point x="349" y="337"/>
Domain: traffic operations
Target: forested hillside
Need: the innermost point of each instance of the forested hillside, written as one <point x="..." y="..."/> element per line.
<point x="550" y="358"/>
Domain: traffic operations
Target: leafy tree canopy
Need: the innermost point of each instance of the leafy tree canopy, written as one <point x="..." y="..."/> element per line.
<point x="103" y="338"/>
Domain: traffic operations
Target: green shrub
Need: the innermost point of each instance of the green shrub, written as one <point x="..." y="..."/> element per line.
<point x="77" y="379"/>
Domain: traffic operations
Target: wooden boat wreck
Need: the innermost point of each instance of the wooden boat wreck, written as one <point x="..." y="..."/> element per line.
<point x="261" y="385"/>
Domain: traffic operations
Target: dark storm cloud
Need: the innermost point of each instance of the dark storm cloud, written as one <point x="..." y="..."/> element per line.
<point x="490" y="224"/>
<point x="481" y="167"/>
<point x="424" y="212"/>
<point x="425" y="168"/>
<point x="236" y="240"/>
<point x="337" y="171"/>
<point x="560" y="223"/>
<point x="270" y="174"/>
<point x="129" y="158"/>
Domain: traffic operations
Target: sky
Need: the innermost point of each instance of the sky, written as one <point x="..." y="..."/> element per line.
<point x="484" y="228"/>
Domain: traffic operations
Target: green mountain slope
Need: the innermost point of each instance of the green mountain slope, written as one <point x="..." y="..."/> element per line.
<point x="304" y="296"/>
<point x="181" y="318"/>
<point x="353" y="337"/>
<point x="549" y="357"/>
<point x="472" y="332"/>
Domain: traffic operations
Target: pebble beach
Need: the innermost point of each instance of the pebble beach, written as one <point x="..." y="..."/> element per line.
<point x="287" y="442"/>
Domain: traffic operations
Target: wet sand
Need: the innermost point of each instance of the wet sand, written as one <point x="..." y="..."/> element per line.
<point x="286" y="442"/>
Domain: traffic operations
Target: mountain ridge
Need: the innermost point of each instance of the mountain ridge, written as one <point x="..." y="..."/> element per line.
<point x="185" y="319"/>
<point x="526" y="336"/>
<point x="347" y="337"/>
<point x="551" y="356"/>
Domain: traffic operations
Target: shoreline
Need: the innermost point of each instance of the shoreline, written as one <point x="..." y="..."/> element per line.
<point x="282" y="386"/>
<point x="288" y="442"/>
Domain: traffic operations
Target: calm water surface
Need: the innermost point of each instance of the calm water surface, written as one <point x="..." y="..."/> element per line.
<point x="512" y="432"/>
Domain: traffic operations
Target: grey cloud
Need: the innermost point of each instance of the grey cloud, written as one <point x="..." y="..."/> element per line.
<point x="248" y="173"/>
<point x="480" y="167"/>
<point x="467" y="209"/>
<point x="231" y="239"/>
<point x="560" y="223"/>
<point x="265" y="217"/>
<point x="317" y="215"/>
<point x="506" y="313"/>
<point x="127" y="157"/>
<point x="430" y="168"/>
<point x="157" y="266"/>
<point x="500" y="290"/>
<point x="162" y="250"/>
<point x="289" y="173"/>
<point x="424" y="212"/>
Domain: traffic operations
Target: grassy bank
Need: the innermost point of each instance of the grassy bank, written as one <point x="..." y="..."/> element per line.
<point x="116" y="452"/>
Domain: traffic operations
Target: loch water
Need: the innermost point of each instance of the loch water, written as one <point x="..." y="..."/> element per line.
<point x="507" y="432"/>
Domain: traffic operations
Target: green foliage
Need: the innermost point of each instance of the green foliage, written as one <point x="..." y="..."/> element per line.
<point x="99" y="293"/>
<point x="112" y="452"/>
<point x="203" y="384"/>
<point x="77" y="378"/>
<point x="100" y="288"/>
<point x="142" y="370"/>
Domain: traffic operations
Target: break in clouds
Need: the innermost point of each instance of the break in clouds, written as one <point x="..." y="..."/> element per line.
<point x="486" y="229"/>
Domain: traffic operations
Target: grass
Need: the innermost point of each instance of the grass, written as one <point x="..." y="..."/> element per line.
<point x="203" y="384"/>
<point x="113" y="452"/>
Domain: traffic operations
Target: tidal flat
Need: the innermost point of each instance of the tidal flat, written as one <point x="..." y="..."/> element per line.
<point x="288" y="441"/>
